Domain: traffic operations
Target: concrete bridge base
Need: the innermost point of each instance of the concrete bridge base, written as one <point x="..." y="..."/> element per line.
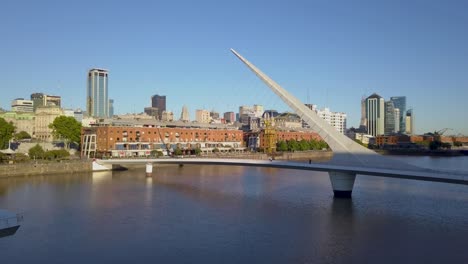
<point x="342" y="183"/>
<point x="149" y="169"/>
<point x="101" y="167"/>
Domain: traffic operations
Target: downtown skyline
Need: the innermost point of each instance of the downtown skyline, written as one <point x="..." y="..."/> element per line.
<point x="326" y="54"/>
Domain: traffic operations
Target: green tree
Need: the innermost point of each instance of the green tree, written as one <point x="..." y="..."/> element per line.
<point x="156" y="153"/>
<point x="178" y="151"/>
<point x="56" y="154"/>
<point x="22" y="135"/>
<point x="282" y="146"/>
<point x="197" y="151"/>
<point x="304" y="145"/>
<point x="6" y="132"/>
<point x="66" y="128"/>
<point x="322" y="145"/>
<point x="292" y="145"/>
<point x="36" y="152"/>
<point x="3" y="157"/>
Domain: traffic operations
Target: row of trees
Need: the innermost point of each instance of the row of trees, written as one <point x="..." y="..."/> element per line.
<point x="302" y="145"/>
<point x="37" y="152"/>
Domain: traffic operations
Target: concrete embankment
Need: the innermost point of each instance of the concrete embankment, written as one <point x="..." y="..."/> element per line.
<point x="43" y="168"/>
<point x="320" y="155"/>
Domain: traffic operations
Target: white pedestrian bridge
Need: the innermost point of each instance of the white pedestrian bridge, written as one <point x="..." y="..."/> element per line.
<point x="339" y="173"/>
<point x="349" y="158"/>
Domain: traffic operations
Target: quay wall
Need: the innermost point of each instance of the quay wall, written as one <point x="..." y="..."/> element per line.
<point x="43" y="168"/>
<point x="77" y="166"/>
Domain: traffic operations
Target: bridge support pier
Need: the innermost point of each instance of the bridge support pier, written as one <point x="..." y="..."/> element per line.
<point x="342" y="183"/>
<point x="149" y="169"/>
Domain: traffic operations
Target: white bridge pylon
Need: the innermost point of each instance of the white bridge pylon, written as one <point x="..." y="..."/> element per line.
<point x="345" y="150"/>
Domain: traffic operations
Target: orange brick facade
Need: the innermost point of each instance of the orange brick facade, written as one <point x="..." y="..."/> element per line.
<point x="109" y="138"/>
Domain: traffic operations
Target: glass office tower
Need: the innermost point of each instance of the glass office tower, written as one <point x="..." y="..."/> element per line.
<point x="97" y="104"/>
<point x="400" y="103"/>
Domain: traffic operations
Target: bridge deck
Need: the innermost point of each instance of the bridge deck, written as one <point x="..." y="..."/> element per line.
<point x="422" y="174"/>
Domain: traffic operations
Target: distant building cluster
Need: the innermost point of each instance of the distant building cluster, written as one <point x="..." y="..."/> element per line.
<point x="34" y="115"/>
<point x="383" y="119"/>
<point x="261" y="127"/>
<point x="380" y="117"/>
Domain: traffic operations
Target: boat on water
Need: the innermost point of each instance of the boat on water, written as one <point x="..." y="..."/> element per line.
<point x="9" y="223"/>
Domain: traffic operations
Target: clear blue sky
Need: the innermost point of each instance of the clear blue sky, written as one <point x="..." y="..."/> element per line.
<point x="330" y="53"/>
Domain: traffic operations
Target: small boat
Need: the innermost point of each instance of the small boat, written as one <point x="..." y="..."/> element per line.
<point x="9" y="223"/>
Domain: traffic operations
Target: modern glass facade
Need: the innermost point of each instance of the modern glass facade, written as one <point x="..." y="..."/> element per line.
<point x="375" y="115"/>
<point x="389" y="118"/>
<point x="400" y="103"/>
<point x="97" y="104"/>
<point x="159" y="101"/>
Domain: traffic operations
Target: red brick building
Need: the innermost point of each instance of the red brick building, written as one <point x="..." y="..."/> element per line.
<point x="139" y="141"/>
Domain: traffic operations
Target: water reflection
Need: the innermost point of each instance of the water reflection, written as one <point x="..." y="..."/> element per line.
<point x="101" y="177"/>
<point x="225" y="214"/>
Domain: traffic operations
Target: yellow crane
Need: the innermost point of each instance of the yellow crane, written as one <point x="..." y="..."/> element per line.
<point x="270" y="136"/>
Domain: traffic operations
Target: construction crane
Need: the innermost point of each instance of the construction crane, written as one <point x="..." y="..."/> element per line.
<point x="162" y="141"/>
<point x="442" y="131"/>
<point x="270" y="136"/>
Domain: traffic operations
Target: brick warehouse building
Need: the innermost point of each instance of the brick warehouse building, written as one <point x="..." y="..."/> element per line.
<point x="121" y="141"/>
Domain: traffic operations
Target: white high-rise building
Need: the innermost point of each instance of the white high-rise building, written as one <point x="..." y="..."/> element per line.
<point x="202" y="116"/>
<point x="258" y="110"/>
<point x="185" y="116"/>
<point x="335" y="119"/>
<point x="409" y="119"/>
<point x="375" y="115"/>
<point x="397" y="116"/>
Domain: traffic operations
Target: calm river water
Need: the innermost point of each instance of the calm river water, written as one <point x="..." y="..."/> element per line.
<point x="221" y="214"/>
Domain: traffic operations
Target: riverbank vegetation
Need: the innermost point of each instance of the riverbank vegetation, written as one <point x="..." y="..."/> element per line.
<point x="302" y="145"/>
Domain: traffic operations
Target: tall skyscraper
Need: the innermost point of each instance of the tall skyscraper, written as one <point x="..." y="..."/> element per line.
<point x="409" y="122"/>
<point x="396" y="117"/>
<point x="230" y="117"/>
<point x="159" y="101"/>
<point x="185" y="116"/>
<point x="389" y="118"/>
<point x="400" y="103"/>
<point x="363" y="123"/>
<point x="97" y="99"/>
<point x="111" y="107"/>
<point x="375" y="115"/>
